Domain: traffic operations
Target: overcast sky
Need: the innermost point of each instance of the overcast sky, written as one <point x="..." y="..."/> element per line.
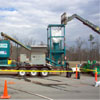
<point x="29" y="18"/>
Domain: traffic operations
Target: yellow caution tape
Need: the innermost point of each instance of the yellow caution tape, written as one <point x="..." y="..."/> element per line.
<point x="45" y="70"/>
<point x="88" y="69"/>
<point x="34" y="71"/>
<point x="41" y="70"/>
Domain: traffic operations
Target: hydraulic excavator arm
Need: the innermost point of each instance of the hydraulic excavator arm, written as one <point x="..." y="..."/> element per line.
<point x="65" y="19"/>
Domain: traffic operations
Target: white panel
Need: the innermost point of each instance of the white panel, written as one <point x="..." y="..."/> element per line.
<point x="38" y="58"/>
<point x="23" y="58"/>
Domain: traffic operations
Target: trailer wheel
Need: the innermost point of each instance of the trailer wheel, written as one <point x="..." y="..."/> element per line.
<point x="33" y="74"/>
<point x="22" y="73"/>
<point x="44" y="74"/>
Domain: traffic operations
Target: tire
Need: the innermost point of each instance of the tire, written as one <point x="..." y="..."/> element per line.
<point x="33" y="74"/>
<point x="44" y="74"/>
<point x="22" y="73"/>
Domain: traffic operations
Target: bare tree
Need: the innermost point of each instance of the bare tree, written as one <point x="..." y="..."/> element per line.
<point x="29" y="42"/>
<point x="91" y="40"/>
<point x="97" y="49"/>
<point x="42" y="43"/>
<point x="70" y="53"/>
<point x="79" y="44"/>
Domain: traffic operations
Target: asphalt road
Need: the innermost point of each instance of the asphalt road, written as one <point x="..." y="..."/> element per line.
<point x="50" y="88"/>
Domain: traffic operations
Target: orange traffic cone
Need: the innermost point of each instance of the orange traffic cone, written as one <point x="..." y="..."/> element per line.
<point x="96" y="75"/>
<point x="5" y="94"/>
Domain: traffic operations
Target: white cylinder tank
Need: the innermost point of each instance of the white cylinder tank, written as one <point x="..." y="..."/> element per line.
<point x="56" y="33"/>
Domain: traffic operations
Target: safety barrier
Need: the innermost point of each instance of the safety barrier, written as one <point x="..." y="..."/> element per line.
<point x="42" y="70"/>
<point x="77" y="76"/>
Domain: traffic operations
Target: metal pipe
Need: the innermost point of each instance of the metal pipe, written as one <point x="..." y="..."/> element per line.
<point x="14" y="40"/>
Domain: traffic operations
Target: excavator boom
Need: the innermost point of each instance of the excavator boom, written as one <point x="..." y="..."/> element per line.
<point x="85" y="22"/>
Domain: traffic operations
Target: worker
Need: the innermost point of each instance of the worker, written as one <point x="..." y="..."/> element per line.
<point x="78" y="72"/>
<point x="68" y="74"/>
